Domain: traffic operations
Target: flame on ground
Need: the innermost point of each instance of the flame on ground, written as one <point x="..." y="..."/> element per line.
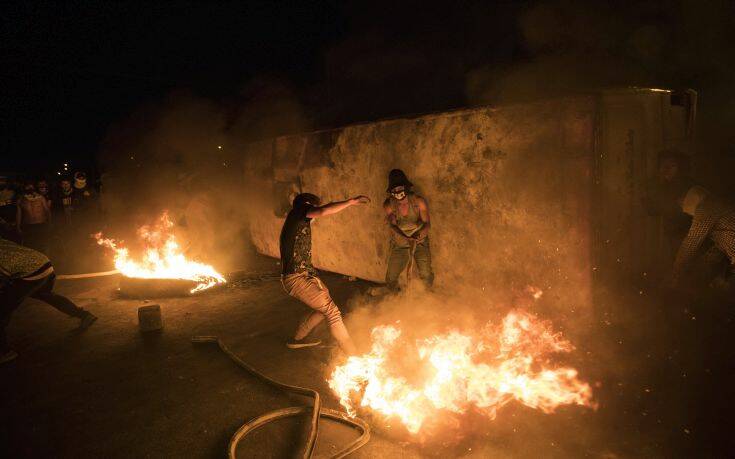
<point x="504" y="362"/>
<point x="162" y="257"/>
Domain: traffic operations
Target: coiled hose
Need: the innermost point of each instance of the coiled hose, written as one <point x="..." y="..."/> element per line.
<point x="316" y="410"/>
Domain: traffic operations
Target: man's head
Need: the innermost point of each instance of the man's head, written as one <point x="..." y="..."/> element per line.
<point x="80" y="180"/>
<point x="304" y="199"/>
<point x="672" y="165"/>
<point x="42" y="187"/>
<point x="65" y="184"/>
<point x="398" y="184"/>
<point x="29" y="188"/>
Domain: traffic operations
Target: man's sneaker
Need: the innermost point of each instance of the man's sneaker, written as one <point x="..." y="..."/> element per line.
<point x="87" y="320"/>
<point x="8" y="356"/>
<point x="303" y="342"/>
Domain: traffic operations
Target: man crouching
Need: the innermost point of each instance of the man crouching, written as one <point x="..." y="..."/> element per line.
<point x="299" y="277"/>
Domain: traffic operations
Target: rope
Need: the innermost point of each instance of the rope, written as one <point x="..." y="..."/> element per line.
<point x="409" y="268"/>
<point x="316" y="411"/>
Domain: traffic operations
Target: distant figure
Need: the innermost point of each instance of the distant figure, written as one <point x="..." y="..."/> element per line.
<point x="25" y="273"/>
<point x="713" y="220"/>
<point x="299" y="277"/>
<point x="8" y="210"/>
<point x="43" y="189"/>
<point x="660" y="200"/>
<point x="66" y="200"/>
<point x="85" y="196"/>
<point x="33" y="217"/>
<point x="408" y="217"/>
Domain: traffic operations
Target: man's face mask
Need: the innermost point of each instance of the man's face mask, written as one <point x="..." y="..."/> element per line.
<point x="398" y="193"/>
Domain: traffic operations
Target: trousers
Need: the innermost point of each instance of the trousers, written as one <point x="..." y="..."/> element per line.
<point x="14" y="292"/>
<point x="310" y="290"/>
<point x="399" y="256"/>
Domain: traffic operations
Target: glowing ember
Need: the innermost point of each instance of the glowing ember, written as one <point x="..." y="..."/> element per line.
<point x="459" y="372"/>
<point x="162" y="258"/>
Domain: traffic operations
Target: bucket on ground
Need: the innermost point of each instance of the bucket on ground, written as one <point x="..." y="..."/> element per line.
<point x="149" y="318"/>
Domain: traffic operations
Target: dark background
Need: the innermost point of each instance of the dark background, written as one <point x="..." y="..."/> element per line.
<point x="71" y="70"/>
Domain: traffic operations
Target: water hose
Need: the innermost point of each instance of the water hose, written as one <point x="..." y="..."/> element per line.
<point x="87" y="275"/>
<point x="316" y="410"/>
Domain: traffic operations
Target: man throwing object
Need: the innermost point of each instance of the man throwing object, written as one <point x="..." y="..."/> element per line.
<point x="299" y="277"/>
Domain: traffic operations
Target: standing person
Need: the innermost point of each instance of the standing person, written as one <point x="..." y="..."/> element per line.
<point x="86" y="197"/>
<point x="66" y="200"/>
<point x="713" y="220"/>
<point x="32" y="218"/>
<point x="661" y="200"/>
<point x="408" y="217"/>
<point x="25" y="273"/>
<point x="8" y="210"/>
<point x="299" y="277"/>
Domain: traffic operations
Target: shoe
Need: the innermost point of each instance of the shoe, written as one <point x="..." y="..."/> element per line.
<point x="87" y="320"/>
<point x="303" y="342"/>
<point x="8" y="355"/>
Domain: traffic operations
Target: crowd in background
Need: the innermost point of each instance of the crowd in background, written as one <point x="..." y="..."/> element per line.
<point x="54" y="217"/>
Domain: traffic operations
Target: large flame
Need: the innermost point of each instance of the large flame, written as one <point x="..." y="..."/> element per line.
<point x="458" y="372"/>
<point x="162" y="257"/>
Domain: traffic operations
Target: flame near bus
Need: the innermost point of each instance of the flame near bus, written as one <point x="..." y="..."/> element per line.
<point x="162" y="257"/>
<point x="458" y="372"/>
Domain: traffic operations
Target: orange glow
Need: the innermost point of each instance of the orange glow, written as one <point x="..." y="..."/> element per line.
<point x="162" y="257"/>
<point x="501" y="363"/>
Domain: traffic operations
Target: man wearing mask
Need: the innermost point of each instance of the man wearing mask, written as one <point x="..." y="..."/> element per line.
<point x="26" y="273"/>
<point x="32" y="218"/>
<point x="299" y="277"/>
<point x="407" y="215"/>
<point x="712" y="220"/>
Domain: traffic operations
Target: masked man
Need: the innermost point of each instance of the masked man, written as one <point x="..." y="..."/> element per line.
<point x="299" y="277"/>
<point x="408" y="217"/>
<point x="713" y="220"/>
<point x="27" y="273"/>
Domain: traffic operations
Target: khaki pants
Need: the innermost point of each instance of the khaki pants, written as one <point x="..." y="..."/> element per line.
<point x="398" y="260"/>
<point x="310" y="290"/>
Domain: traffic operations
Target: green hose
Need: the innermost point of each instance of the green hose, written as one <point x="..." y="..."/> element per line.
<point x="316" y="411"/>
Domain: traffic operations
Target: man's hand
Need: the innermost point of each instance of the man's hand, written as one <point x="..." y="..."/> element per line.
<point x="421" y="234"/>
<point x="359" y="200"/>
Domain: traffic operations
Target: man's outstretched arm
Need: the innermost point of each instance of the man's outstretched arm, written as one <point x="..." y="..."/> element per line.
<point x="337" y="206"/>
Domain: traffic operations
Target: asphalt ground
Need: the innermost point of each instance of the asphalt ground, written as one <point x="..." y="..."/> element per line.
<point x="664" y="374"/>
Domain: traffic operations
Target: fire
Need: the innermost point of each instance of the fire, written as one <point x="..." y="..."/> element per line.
<point x="458" y="372"/>
<point x="162" y="257"/>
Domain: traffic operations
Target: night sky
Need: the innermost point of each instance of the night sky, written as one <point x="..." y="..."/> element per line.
<point x="70" y="70"/>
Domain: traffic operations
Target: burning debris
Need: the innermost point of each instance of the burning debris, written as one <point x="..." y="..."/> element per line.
<point x="162" y="258"/>
<point x="457" y="372"/>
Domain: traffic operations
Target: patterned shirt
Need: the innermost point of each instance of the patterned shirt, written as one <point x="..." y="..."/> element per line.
<point x="17" y="262"/>
<point x="712" y="220"/>
<point x="296" y="242"/>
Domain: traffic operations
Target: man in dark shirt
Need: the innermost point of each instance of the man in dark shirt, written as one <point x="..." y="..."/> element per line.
<point x="299" y="276"/>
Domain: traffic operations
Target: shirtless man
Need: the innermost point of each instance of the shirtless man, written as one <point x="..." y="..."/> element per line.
<point x="408" y="217"/>
<point x="34" y="214"/>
